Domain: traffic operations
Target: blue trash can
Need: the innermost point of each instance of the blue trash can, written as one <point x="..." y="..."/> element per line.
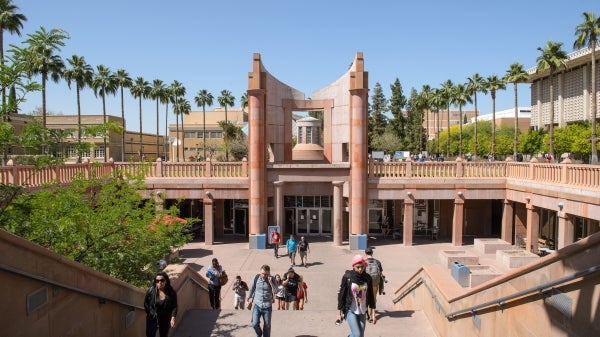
<point x="461" y="274"/>
<point x="258" y="241"/>
<point x="358" y="241"/>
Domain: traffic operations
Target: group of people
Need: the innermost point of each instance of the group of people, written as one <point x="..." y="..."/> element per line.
<point x="293" y="246"/>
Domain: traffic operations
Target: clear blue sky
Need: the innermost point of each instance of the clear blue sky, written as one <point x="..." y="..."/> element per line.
<point x="306" y="44"/>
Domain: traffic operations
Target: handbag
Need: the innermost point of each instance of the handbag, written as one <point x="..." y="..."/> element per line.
<point x="223" y="279"/>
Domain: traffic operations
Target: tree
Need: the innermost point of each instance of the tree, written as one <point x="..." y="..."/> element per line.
<point x="82" y="74"/>
<point x="515" y="75"/>
<point x="448" y="93"/>
<point x="587" y="34"/>
<point x="12" y="22"/>
<point x="123" y="81"/>
<point x="202" y="99"/>
<point x="244" y="100"/>
<point x="226" y="99"/>
<point x="476" y="84"/>
<point x="425" y="103"/>
<point x="437" y="102"/>
<point x="166" y="99"/>
<point x="177" y="91"/>
<point x="181" y="107"/>
<point x="104" y="82"/>
<point x="41" y="58"/>
<point x="7" y="139"/>
<point x="532" y="141"/>
<point x="139" y="89"/>
<point x="157" y="92"/>
<point x="377" y="118"/>
<point x="493" y="84"/>
<point x="396" y="106"/>
<point x="461" y="98"/>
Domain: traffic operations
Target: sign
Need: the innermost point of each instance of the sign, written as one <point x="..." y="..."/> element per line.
<point x="271" y="229"/>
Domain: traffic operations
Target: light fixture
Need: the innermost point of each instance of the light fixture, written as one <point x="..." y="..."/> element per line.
<point x="409" y="193"/>
<point x="560" y="206"/>
<point x="459" y="193"/>
<point x="208" y="194"/>
<point x="527" y="198"/>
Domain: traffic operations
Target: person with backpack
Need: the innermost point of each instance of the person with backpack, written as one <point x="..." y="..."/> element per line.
<point x="262" y="293"/>
<point x="216" y="275"/>
<point x="355" y="297"/>
<point x="375" y="270"/>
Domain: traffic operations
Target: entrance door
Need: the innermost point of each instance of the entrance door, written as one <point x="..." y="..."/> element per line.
<point x="313" y="221"/>
<point x="240" y="221"/>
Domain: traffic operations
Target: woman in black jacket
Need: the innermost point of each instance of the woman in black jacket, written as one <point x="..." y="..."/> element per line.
<point x="161" y="306"/>
<point x="355" y="296"/>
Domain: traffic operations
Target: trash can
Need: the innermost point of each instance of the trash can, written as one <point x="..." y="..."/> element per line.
<point x="461" y="274"/>
<point x="258" y="241"/>
<point x="358" y="241"/>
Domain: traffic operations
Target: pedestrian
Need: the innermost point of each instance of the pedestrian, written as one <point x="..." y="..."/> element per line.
<point x="291" y="245"/>
<point x="215" y="275"/>
<point x="302" y="294"/>
<point x="355" y="295"/>
<point x="262" y="293"/>
<point x="303" y="250"/>
<point x="290" y="282"/>
<point x="239" y="287"/>
<point x="280" y="293"/>
<point x="160" y="304"/>
<point x="275" y="238"/>
<point x="375" y="270"/>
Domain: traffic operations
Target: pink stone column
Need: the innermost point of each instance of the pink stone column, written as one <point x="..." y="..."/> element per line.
<point x="338" y="212"/>
<point x="409" y="210"/>
<point x="209" y="227"/>
<point x="566" y="230"/>
<point x="507" y="221"/>
<point x="258" y="200"/>
<point x="533" y="228"/>
<point x="358" y="162"/>
<point x="279" y="212"/>
<point x="458" y="222"/>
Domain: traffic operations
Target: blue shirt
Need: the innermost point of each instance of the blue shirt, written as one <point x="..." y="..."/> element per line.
<point x="291" y="245"/>
<point x="263" y="294"/>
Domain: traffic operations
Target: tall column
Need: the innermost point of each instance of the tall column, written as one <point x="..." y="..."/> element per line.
<point x="409" y="211"/>
<point x="209" y="227"/>
<point x="566" y="230"/>
<point x="358" y="162"/>
<point x="338" y="212"/>
<point x="458" y="222"/>
<point x="279" y="221"/>
<point x="257" y="166"/>
<point x="533" y="228"/>
<point x="507" y="221"/>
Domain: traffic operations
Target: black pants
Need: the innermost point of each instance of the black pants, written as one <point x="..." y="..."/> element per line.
<point x="214" y="292"/>
<point x="162" y="324"/>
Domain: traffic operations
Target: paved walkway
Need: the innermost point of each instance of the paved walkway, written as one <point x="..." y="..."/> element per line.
<point x="327" y="264"/>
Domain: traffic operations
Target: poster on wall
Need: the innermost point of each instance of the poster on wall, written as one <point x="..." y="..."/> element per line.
<point x="270" y="230"/>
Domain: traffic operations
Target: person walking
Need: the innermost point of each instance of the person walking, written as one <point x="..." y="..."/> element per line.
<point x="291" y="245"/>
<point x="302" y="294"/>
<point x="239" y="287"/>
<point x="355" y="295"/>
<point x="275" y="239"/>
<point x="262" y="293"/>
<point x="303" y="250"/>
<point x="280" y="293"/>
<point x="290" y="282"/>
<point x="160" y="304"/>
<point x="215" y="273"/>
<point x="375" y="270"/>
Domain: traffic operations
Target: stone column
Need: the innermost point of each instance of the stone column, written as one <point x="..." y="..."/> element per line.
<point x="209" y="228"/>
<point x="458" y="222"/>
<point x="358" y="162"/>
<point x="409" y="211"/>
<point x="258" y="200"/>
<point x="279" y="211"/>
<point x="533" y="228"/>
<point x="507" y="221"/>
<point x="338" y="212"/>
<point x="566" y="230"/>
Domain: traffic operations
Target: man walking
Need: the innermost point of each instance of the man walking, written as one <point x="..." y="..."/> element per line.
<point x="275" y="238"/>
<point x="374" y="269"/>
<point x="262" y="293"/>
<point x="292" y="245"/>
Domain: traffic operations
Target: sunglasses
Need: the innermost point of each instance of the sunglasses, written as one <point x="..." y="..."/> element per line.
<point x="162" y="280"/>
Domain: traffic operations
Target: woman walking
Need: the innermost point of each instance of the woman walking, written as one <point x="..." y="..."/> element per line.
<point x="355" y="296"/>
<point x="160" y="303"/>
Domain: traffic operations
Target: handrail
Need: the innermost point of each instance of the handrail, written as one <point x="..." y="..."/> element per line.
<point x="408" y="290"/>
<point x="539" y="289"/>
<point x="68" y="287"/>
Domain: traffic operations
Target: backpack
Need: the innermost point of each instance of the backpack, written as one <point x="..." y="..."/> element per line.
<point x="373" y="270"/>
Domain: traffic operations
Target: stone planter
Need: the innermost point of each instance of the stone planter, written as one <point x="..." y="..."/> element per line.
<point x="516" y="258"/>
<point x="490" y="246"/>
<point x="481" y="274"/>
<point x="448" y="257"/>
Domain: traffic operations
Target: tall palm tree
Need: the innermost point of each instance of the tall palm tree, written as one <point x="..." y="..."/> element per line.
<point x="587" y="34"/>
<point x="42" y="59"/>
<point x="166" y="99"/>
<point x="139" y="89"/>
<point x="461" y="98"/>
<point x="552" y="57"/>
<point x="123" y="81"/>
<point x="425" y="97"/>
<point x="515" y="75"/>
<point x="103" y="83"/>
<point x="244" y="101"/>
<point x="204" y="98"/>
<point x="448" y="93"/>
<point x="157" y="92"/>
<point x="438" y="102"/>
<point x="82" y="74"/>
<point x="226" y="99"/>
<point x="177" y="91"/>
<point x="476" y="84"/>
<point x="493" y="83"/>
<point x="181" y="107"/>
<point x="12" y="22"/>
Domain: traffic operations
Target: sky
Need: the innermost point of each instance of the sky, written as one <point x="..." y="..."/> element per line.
<point x="306" y="44"/>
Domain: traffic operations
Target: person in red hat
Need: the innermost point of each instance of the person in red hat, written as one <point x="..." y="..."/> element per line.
<point x="355" y="297"/>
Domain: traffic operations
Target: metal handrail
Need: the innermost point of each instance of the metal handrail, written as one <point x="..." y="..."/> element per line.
<point x="412" y="287"/>
<point x="100" y="298"/>
<point x="538" y="289"/>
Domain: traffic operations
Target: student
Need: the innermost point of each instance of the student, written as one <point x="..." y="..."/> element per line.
<point x="355" y="295"/>
<point x="375" y="270"/>
<point x="280" y="293"/>
<point x="214" y="274"/>
<point x="302" y="294"/>
<point x="160" y="304"/>
<point x="291" y="245"/>
<point x="303" y="250"/>
<point x="275" y="238"/>
<point x="239" y="287"/>
<point x="290" y="282"/>
<point x="262" y="293"/>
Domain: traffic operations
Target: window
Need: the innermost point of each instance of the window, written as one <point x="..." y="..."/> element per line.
<point x="189" y="135"/>
<point x="308" y="135"/>
<point x="99" y="152"/>
<point x="216" y="134"/>
<point x="200" y="134"/>
<point x="300" y="139"/>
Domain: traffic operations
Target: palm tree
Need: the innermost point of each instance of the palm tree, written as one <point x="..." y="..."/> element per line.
<point x="438" y="102"/>
<point x="157" y="92"/>
<point x="104" y="82"/>
<point x="177" y="91"/>
<point x="493" y="84"/>
<point x="181" y="107"/>
<point x="587" y="34"/>
<point x="448" y="93"/>
<point x="166" y="99"/>
<point x="461" y="98"/>
<point x="226" y="99"/>
<point x="42" y="60"/>
<point x="12" y="22"/>
<point x="123" y="81"/>
<point x="476" y="84"/>
<point x="515" y="75"/>
<point x="425" y="97"/>
<point x="244" y="100"/>
<point x="82" y="74"/>
<point x="139" y="89"/>
<point x="204" y="98"/>
<point x="553" y="57"/>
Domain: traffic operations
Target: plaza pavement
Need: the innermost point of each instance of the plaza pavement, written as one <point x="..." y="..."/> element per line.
<point x="327" y="264"/>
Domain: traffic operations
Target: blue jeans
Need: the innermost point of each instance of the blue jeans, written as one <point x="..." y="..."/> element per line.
<point x="257" y="312"/>
<point x="356" y="323"/>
